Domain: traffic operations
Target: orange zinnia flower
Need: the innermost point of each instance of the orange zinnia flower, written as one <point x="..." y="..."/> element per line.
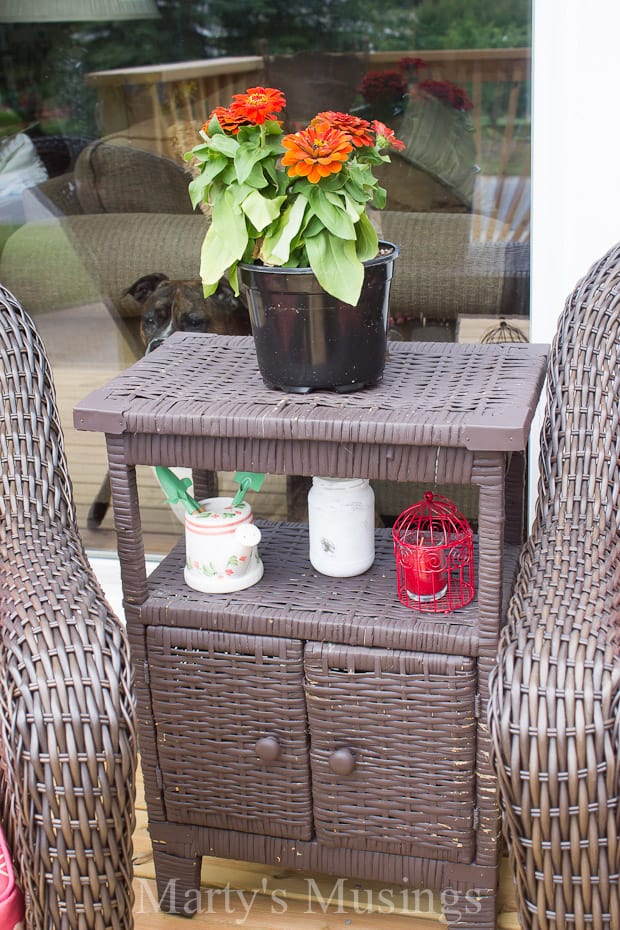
<point x="258" y="104"/>
<point x="228" y="120"/>
<point x="384" y="132"/>
<point x="358" y="129"/>
<point x="316" y="152"/>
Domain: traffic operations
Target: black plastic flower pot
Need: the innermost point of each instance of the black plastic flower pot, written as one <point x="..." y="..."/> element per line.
<point x="307" y="340"/>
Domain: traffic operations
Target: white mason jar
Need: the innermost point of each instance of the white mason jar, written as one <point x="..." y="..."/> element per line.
<point x="341" y="524"/>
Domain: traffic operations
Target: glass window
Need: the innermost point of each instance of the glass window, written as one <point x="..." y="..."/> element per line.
<point x="98" y="237"/>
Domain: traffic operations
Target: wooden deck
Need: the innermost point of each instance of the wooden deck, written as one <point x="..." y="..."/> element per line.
<point x="242" y="894"/>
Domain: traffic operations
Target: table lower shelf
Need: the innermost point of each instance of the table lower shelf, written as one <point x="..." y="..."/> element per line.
<point x="294" y="600"/>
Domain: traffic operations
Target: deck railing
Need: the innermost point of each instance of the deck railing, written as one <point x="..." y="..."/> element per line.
<point x="161" y="107"/>
<point x="153" y="101"/>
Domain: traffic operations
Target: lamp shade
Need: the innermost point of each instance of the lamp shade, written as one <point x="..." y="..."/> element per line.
<point x="57" y="11"/>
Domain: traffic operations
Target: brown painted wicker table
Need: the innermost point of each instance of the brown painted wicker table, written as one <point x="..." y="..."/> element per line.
<point x="311" y="722"/>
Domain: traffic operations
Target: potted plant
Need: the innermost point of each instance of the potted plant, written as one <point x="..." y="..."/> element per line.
<point x="289" y="226"/>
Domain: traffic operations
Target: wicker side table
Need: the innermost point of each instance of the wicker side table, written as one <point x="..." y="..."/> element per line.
<point x="311" y="722"/>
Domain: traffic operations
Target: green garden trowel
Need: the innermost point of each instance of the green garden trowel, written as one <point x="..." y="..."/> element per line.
<point x="176" y="489"/>
<point x="247" y="481"/>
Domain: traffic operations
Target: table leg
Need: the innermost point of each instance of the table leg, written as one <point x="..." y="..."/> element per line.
<point x="178" y="882"/>
<point x="127" y="523"/>
<point x="466" y="911"/>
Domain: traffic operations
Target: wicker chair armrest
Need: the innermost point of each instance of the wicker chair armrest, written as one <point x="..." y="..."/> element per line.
<point x="445" y="269"/>
<point x="554" y="712"/>
<point x="68" y="744"/>
<point x="568" y="572"/>
<point x="67" y="729"/>
<point x="555" y="690"/>
<point x="54" y="197"/>
<point x="79" y="259"/>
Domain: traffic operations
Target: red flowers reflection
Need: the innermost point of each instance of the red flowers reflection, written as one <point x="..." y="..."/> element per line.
<point x="450" y="93"/>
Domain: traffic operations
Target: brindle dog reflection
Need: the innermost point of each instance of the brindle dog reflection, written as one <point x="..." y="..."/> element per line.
<point x="170" y="306"/>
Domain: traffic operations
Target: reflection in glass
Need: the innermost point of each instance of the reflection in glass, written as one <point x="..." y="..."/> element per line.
<point x="98" y="237"/>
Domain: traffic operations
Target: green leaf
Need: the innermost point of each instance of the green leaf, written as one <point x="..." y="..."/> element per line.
<point x="278" y="179"/>
<point x="367" y="245"/>
<point x="276" y="247"/>
<point x="223" y="244"/>
<point x="356" y="192"/>
<point x="214" y="127"/>
<point x="215" y="165"/>
<point x="334" y="218"/>
<point x="249" y="134"/>
<point x="233" y="278"/>
<point x="380" y="198"/>
<point x="313" y="227"/>
<point x="334" y="182"/>
<point x="238" y="192"/>
<point x="272" y="145"/>
<point x="261" y="211"/>
<point x="362" y="176"/>
<point x="256" y="177"/>
<point x="336" y="266"/>
<point x="197" y="190"/>
<point x="201" y="152"/>
<point x="245" y="160"/>
<point x="198" y="186"/>
<point x="225" y="145"/>
<point x="352" y="207"/>
<point x="298" y="260"/>
<point x="272" y="128"/>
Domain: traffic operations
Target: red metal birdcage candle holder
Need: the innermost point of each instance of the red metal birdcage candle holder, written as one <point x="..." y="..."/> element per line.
<point x="434" y="550"/>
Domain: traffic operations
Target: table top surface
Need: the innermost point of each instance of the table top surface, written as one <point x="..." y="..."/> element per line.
<point x="477" y="397"/>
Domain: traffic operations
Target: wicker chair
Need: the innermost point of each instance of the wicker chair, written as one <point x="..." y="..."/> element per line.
<point x="67" y="745"/>
<point x="554" y="693"/>
<point x="59" y="153"/>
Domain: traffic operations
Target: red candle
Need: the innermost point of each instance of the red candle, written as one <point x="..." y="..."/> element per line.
<point x="426" y="578"/>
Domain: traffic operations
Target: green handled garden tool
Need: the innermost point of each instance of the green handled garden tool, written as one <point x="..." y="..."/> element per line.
<point x="176" y="489"/>
<point x="247" y="481"/>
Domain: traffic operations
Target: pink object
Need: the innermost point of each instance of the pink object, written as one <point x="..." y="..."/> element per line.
<point x="11" y="899"/>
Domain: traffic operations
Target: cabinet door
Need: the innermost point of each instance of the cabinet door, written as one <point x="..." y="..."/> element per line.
<point x="231" y="730"/>
<point x="393" y="741"/>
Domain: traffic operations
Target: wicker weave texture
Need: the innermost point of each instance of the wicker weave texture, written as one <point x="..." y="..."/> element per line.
<point x="217" y="699"/>
<point x="67" y="718"/>
<point x="294" y="600"/>
<point x="404" y="724"/>
<point x="554" y="699"/>
<point x="433" y="394"/>
<point x="443" y="414"/>
<point x="59" y="153"/>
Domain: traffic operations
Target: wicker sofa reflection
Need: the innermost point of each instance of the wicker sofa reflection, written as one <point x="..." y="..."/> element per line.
<point x="125" y="212"/>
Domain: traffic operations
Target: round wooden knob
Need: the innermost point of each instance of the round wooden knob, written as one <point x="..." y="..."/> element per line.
<point x="267" y="748"/>
<point x="341" y="762"/>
